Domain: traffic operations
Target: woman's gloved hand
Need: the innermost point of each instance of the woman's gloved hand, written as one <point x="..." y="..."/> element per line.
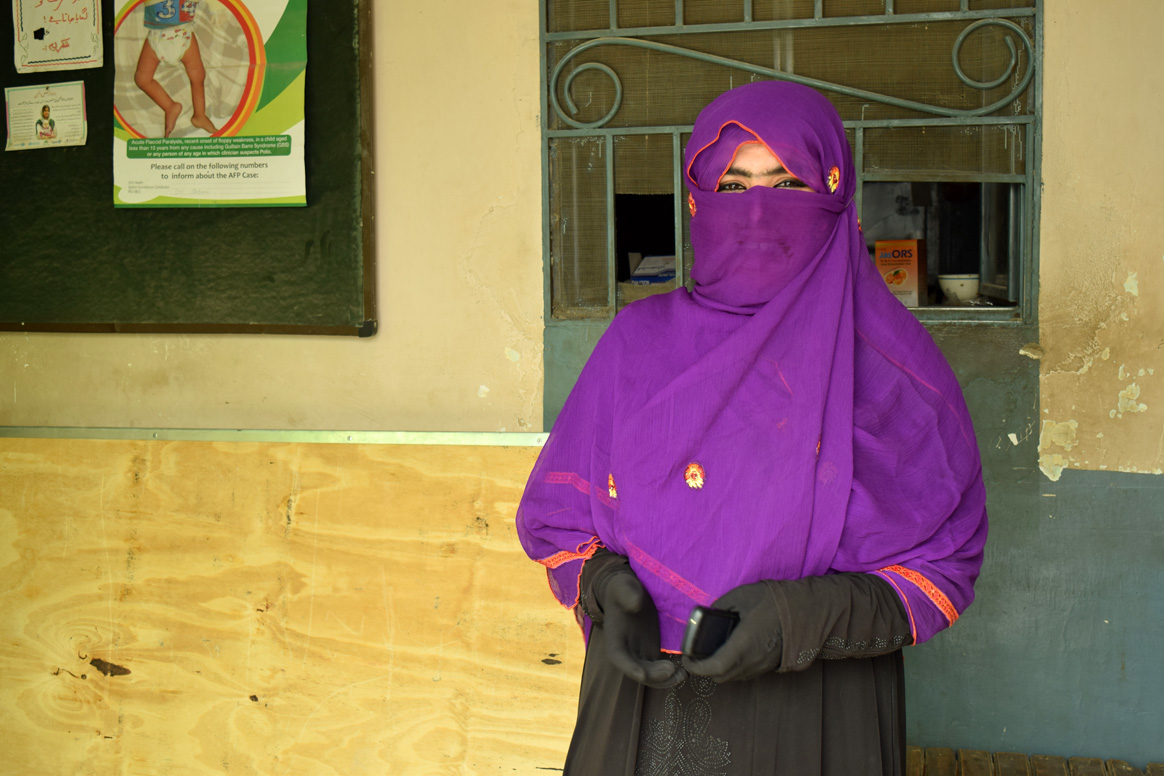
<point x="754" y="646"/>
<point x="629" y="621"/>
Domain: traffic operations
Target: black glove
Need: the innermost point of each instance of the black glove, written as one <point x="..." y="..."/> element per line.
<point x="616" y="602"/>
<point x="754" y="646"/>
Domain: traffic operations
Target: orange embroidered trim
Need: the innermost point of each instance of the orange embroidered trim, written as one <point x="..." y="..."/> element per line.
<point x="904" y="599"/>
<point x="715" y="140"/>
<point x="584" y="551"/>
<point x="930" y="589"/>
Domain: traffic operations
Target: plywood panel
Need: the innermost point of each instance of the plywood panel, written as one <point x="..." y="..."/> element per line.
<point x="203" y="608"/>
<point x="941" y="762"/>
<point x="975" y="763"/>
<point x="1048" y="765"/>
<point x="1011" y="764"/>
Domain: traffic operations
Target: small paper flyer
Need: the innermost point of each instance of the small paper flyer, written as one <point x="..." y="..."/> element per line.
<point x="45" y="116"/>
<point x="208" y="103"/>
<point x="57" y="34"/>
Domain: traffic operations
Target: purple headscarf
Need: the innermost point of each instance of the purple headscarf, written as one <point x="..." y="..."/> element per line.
<point x="787" y="418"/>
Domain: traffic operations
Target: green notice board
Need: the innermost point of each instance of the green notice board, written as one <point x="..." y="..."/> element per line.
<point x="70" y="261"/>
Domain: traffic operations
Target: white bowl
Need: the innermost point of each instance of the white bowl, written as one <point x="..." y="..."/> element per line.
<point x="959" y="288"/>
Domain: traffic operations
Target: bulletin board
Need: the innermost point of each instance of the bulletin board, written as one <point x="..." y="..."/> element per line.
<point x="70" y="261"/>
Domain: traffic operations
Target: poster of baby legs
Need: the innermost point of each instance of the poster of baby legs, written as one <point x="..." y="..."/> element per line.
<point x="208" y="103"/>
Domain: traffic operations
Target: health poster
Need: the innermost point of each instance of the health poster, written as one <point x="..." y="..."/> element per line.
<point x="45" y="116"/>
<point x="57" y="34"/>
<point x="208" y="103"/>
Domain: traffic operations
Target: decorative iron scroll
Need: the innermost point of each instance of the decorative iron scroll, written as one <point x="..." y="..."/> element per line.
<point x="666" y="48"/>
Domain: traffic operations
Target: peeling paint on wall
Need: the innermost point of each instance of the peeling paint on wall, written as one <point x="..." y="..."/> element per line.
<point x="1102" y="348"/>
<point x="1062" y="435"/>
<point x="1132" y="284"/>
<point x="1128" y="401"/>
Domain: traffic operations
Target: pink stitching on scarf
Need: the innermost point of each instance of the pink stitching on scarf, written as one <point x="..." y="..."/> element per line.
<point x="787" y="387"/>
<point x="580" y="485"/>
<point x="568" y="478"/>
<point x="902" y="367"/>
<point x="670" y="577"/>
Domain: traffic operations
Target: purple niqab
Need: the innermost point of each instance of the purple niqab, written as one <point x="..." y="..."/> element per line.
<point x="828" y="431"/>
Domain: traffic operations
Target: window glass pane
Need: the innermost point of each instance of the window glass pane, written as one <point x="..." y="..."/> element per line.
<point x="905" y="61"/>
<point x="925" y="6"/>
<point x="643" y="165"/>
<point x="658" y="88"/>
<point x="713" y="11"/>
<point x="646" y="13"/>
<point x="949" y="152"/>
<point x="579" y="275"/>
<point x="773" y="10"/>
<point x="569" y="15"/>
<point x="994" y="5"/>
<point x="1002" y="219"/>
<point x="910" y="62"/>
<point x="854" y="7"/>
<point x="644" y="216"/>
<point x="968" y="229"/>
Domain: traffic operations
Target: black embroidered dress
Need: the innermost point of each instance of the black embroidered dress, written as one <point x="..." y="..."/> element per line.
<point x="835" y="707"/>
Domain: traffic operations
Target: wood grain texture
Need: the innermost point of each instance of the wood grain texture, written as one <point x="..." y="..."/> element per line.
<point x="972" y="762"/>
<point x="1086" y="766"/>
<point x="206" y="608"/>
<point x="941" y="762"/>
<point x="915" y="761"/>
<point x="1011" y="764"/>
<point x="1048" y="765"/>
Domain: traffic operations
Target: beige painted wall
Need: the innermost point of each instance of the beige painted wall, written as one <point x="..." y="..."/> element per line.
<point x="460" y="267"/>
<point x="1101" y="301"/>
<point x="459" y="262"/>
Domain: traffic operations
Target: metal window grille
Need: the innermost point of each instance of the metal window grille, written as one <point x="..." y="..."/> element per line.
<point x="939" y="99"/>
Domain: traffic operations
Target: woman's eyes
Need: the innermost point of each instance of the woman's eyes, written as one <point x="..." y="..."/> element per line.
<point x="731" y="187"/>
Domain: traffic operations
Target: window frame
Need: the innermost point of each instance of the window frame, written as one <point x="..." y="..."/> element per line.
<point x="1022" y="279"/>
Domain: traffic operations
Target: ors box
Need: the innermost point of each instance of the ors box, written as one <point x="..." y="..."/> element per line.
<point x="903" y="265"/>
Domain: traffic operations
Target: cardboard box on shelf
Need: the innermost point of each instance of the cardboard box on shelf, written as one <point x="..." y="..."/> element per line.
<point x="649" y="270"/>
<point x="903" y="265"/>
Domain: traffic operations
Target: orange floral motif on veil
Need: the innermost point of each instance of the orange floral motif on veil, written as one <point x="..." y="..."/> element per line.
<point x="610" y="486"/>
<point x="834" y="179"/>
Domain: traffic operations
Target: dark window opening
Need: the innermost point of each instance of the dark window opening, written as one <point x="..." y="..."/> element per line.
<point x="644" y="224"/>
<point x="969" y="228"/>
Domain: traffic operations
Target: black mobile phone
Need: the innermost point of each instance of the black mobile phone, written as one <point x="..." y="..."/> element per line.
<point x="707" y="630"/>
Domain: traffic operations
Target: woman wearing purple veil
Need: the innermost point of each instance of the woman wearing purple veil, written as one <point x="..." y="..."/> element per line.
<point x="784" y="441"/>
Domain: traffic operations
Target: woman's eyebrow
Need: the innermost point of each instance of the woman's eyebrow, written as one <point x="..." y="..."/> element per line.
<point x="742" y="173"/>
